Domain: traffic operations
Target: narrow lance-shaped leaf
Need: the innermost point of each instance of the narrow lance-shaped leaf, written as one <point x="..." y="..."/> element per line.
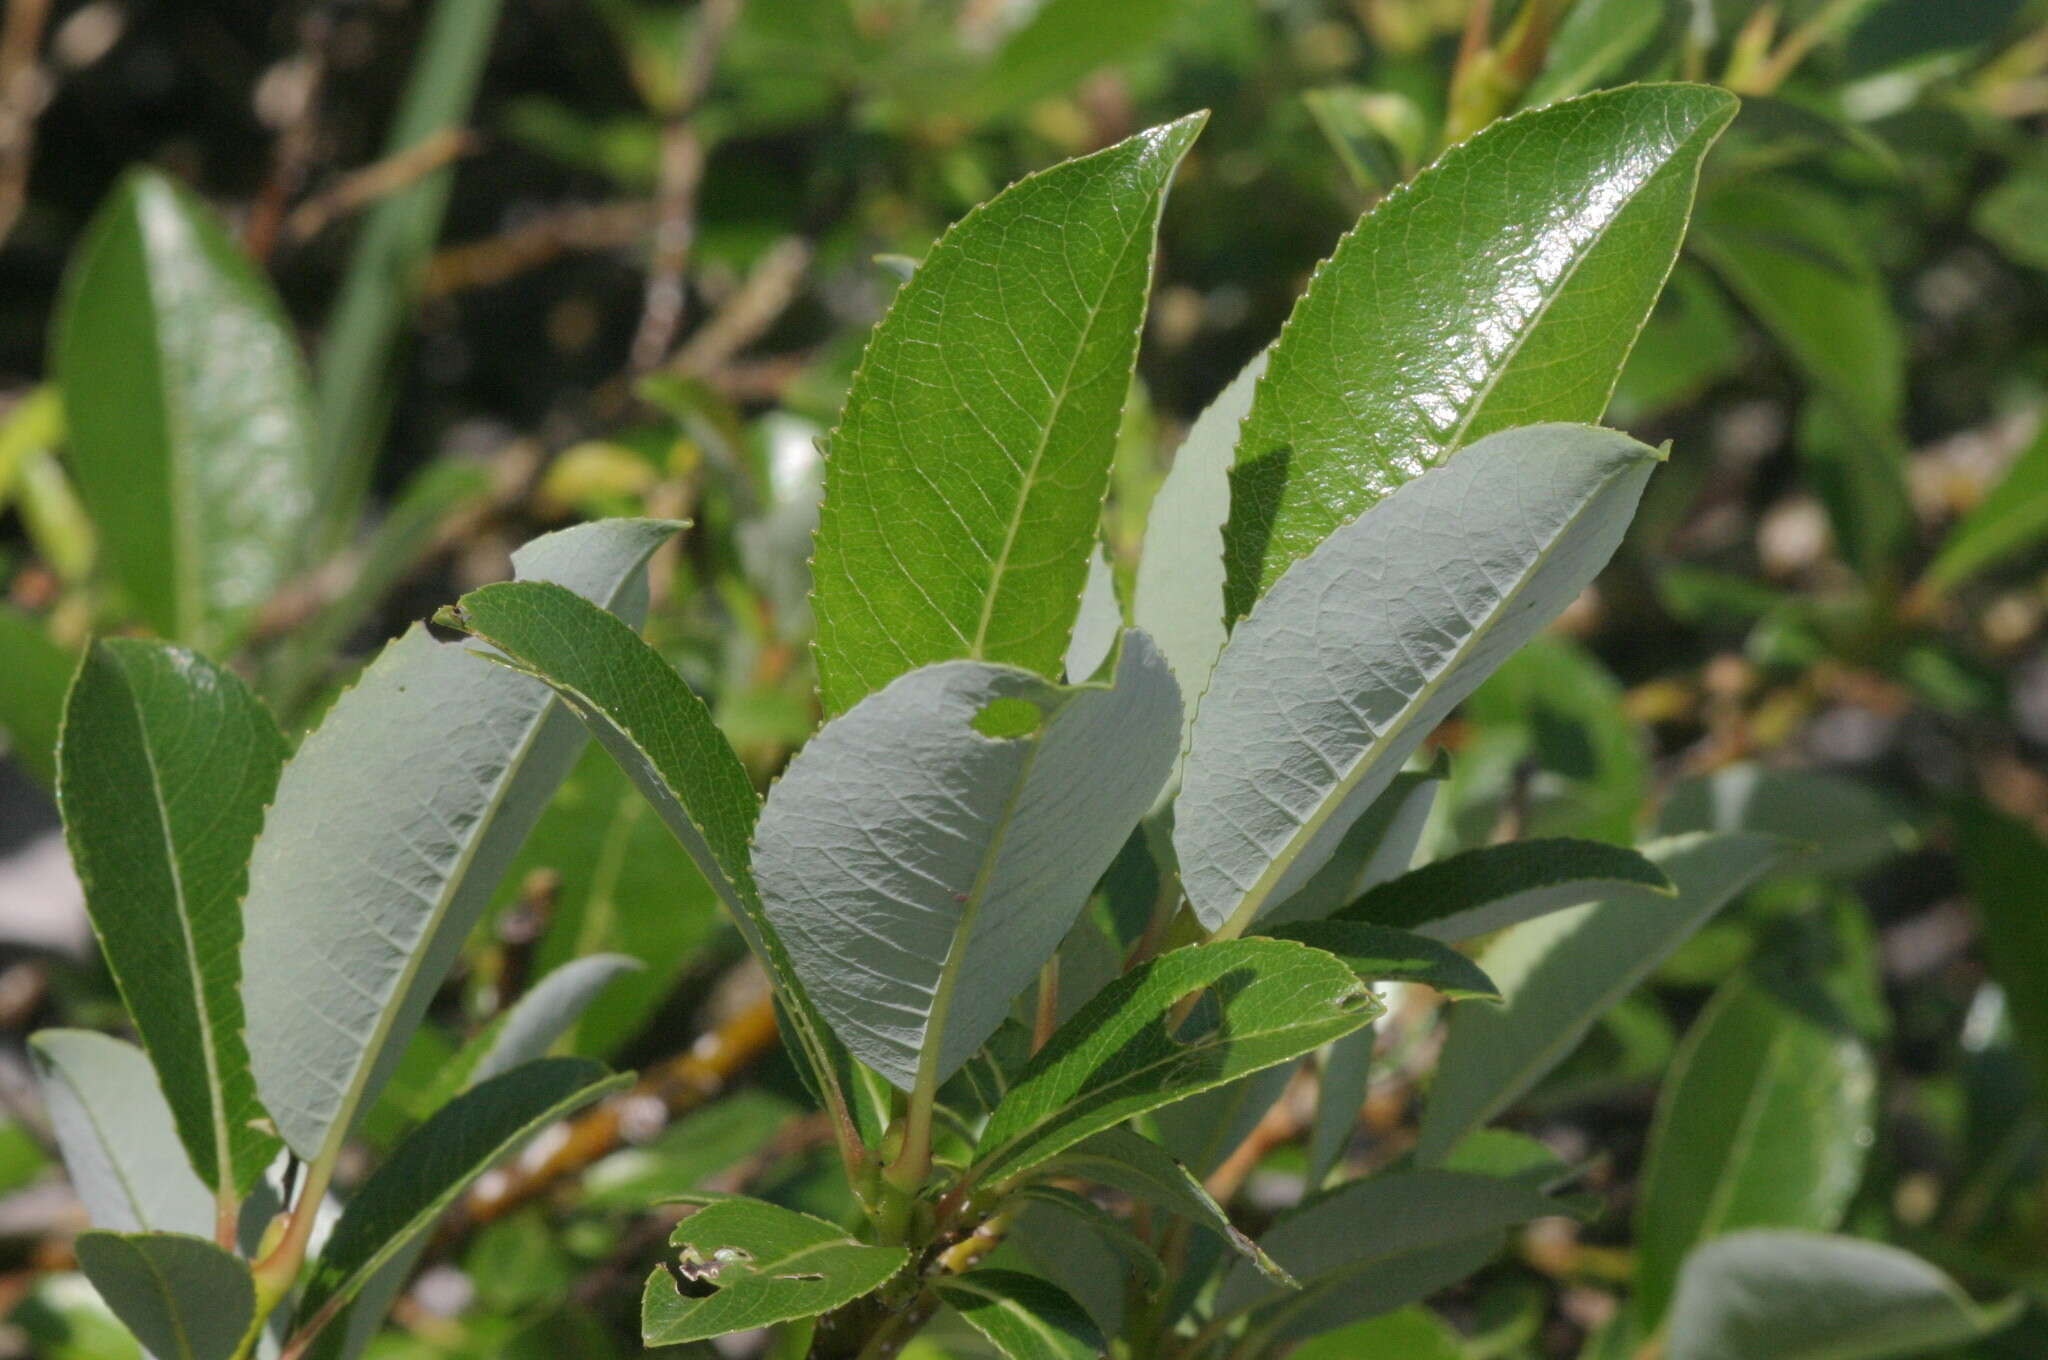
<point x="115" y="1131"/>
<point x="1259" y="1003"/>
<point x="1375" y="1245"/>
<point x="1503" y="286"/>
<point x="1023" y="1316"/>
<point x="1559" y="973"/>
<point x="1764" y="1122"/>
<point x="391" y="827"/>
<point x="1493" y="887"/>
<point x="963" y="485"/>
<point x="747" y="1264"/>
<point x="437" y="1162"/>
<point x="183" y="1297"/>
<point x="519" y="1036"/>
<point x="1129" y="1161"/>
<point x="1329" y="686"/>
<point x="191" y="433"/>
<point x="662" y="736"/>
<point x="1384" y="954"/>
<point x="1380" y="845"/>
<point x="165" y="768"/>
<point x="1808" y="1296"/>
<point x="926" y="853"/>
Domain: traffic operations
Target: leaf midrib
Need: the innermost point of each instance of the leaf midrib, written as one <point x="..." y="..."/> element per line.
<point x="1063" y="394"/>
<point x="223" y="1173"/>
<point x="1254" y="902"/>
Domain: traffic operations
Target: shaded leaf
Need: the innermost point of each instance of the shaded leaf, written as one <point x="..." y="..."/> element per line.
<point x="403" y="1197"/>
<point x="166" y="766"/>
<point x="1023" y="1316"/>
<point x="531" y="1025"/>
<point x="190" y="422"/>
<point x="1503" y="286"/>
<point x="114" y="1128"/>
<point x="32" y="701"/>
<point x="1262" y="1002"/>
<point x="913" y="918"/>
<point x="2005" y="862"/>
<point x="1384" y="954"/>
<point x="1764" y="1122"/>
<point x="966" y="478"/>
<point x="1843" y="826"/>
<point x="1377" y="1244"/>
<point x="1061" y="42"/>
<point x="1343" y="1077"/>
<point x="1559" y="973"/>
<point x="2012" y="519"/>
<point x="1364" y="646"/>
<point x="1126" y="1160"/>
<point x="1380" y="846"/>
<point x="759" y="1264"/>
<point x="1412" y="1333"/>
<point x="1496" y="886"/>
<point x="390" y="829"/>
<point x="1807" y="1296"/>
<point x="183" y="1297"/>
<point x="1596" y="42"/>
<point x="1083" y="1213"/>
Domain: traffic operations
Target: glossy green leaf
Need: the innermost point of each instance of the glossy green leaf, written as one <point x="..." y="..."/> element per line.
<point x="2012" y="519"/>
<point x="1375" y="1245"/>
<point x="1503" y="286"/>
<point x="1261" y="1002"/>
<point x="762" y="1265"/>
<point x="1023" y="1316"/>
<point x="1765" y="1121"/>
<point x="661" y="734"/>
<point x="1383" y="954"/>
<point x="1178" y="600"/>
<point x="166" y="766"/>
<point x="32" y="701"/>
<point x="913" y="917"/>
<point x="1596" y="42"/>
<point x="390" y="829"/>
<point x="190" y="423"/>
<point x="2005" y="862"/>
<point x="183" y="1297"/>
<point x="1126" y="1160"/>
<point x="967" y="474"/>
<point x="1496" y="886"/>
<point x="406" y="1195"/>
<point x="1808" y="1296"/>
<point x="115" y="1130"/>
<point x="1559" y="973"/>
<point x="1844" y="827"/>
<point x="1371" y="640"/>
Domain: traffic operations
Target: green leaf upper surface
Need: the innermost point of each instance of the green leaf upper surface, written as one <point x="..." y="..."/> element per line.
<point x="1559" y="973"/>
<point x="461" y="1141"/>
<point x="1496" y="886"/>
<point x="114" y="1128"/>
<point x="1128" y="1161"/>
<point x="183" y="1297"/>
<point x="1503" y="286"/>
<point x="166" y="765"/>
<point x="1366" y="644"/>
<point x="1808" y="1296"/>
<point x="1261" y="1003"/>
<point x="965" y="480"/>
<point x="661" y="734"/>
<point x="1764" y="1122"/>
<point x="764" y="1265"/>
<point x="920" y="872"/>
<point x="1023" y="1316"/>
<point x="1384" y="954"/>
<point x="1375" y="1245"/>
<point x="391" y="827"/>
<point x="190" y="422"/>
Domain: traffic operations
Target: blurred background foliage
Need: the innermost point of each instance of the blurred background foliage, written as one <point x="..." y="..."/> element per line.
<point x="555" y="259"/>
